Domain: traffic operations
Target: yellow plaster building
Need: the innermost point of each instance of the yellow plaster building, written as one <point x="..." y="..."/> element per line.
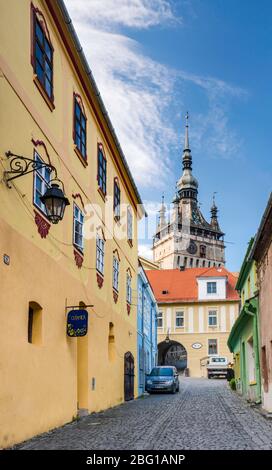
<point x="197" y="308"/>
<point x="51" y="112"/>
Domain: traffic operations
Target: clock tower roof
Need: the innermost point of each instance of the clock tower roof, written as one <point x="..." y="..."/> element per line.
<point x="187" y="185"/>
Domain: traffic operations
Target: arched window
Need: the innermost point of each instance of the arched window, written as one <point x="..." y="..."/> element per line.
<point x="100" y="250"/>
<point x="80" y="128"/>
<point x="101" y="170"/>
<point x="34" y="333"/>
<point x="128" y="287"/>
<point x="116" y="199"/>
<point x="111" y="343"/>
<point x="42" y="56"/>
<point x="116" y="271"/>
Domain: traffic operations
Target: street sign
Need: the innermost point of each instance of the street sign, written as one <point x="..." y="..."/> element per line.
<point x="77" y="323"/>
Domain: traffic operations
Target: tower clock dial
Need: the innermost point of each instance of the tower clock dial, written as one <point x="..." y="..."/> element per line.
<point x="192" y="248"/>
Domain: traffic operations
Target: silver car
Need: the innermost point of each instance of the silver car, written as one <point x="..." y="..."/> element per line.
<point x="162" y="379"/>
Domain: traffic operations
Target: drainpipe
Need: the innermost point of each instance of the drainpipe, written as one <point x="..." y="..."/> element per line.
<point x="151" y="332"/>
<point x="144" y="286"/>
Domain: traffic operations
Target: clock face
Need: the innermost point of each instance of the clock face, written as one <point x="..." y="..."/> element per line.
<point x="192" y="248"/>
<point x="197" y="346"/>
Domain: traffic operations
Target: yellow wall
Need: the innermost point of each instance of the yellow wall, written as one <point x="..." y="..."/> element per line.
<point x="196" y="329"/>
<point x="39" y="383"/>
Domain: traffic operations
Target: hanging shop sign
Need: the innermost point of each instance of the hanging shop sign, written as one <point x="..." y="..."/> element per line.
<point x="77" y="323"/>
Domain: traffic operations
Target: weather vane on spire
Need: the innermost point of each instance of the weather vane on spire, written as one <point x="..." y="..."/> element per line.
<point x="186" y="142"/>
<point x="213" y="198"/>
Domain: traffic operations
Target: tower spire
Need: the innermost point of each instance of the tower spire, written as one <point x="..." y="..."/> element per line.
<point x="186" y="142"/>
<point x="162" y="213"/>
<point x="214" y="211"/>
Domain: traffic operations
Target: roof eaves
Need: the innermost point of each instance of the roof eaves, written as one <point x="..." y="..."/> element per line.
<point x="88" y="71"/>
<point x="261" y="227"/>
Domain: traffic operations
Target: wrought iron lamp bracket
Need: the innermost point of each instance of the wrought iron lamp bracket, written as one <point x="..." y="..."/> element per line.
<point x="20" y="166"/>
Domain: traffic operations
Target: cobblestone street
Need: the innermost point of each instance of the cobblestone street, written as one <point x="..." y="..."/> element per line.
<point x="205" y="414"/>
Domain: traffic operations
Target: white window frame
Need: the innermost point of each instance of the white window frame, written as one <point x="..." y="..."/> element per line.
<point x="78" y="219"/>
<point x="116" y="271"/>
<point x="100" y="254"/>
<point x="43" y="174"/>
<point x="212" y="313"/>
<point x="178" y="315"/>
<point x="129" y="224"/>
<point x="212" y="283"/>
<point x="129" y="288"/>
<point x="160" y="317"/>
<point x="217" y="346"/>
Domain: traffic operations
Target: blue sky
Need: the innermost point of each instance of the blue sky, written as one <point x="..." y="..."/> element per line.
<point x="155" y="59"/>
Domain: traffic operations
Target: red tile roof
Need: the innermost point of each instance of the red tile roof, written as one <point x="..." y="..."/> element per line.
<point x="182" y="285"/>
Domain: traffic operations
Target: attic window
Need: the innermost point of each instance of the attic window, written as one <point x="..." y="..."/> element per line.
<point x="164" y="292"/>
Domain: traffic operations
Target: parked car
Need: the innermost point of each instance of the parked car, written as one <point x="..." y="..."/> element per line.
<point x="217" y="366"/>
<point x="162" y="379"/>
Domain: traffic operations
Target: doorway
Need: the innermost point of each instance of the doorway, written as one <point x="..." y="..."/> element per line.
<point x="129" y="376"/>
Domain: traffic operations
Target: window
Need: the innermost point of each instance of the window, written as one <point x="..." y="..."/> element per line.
<point x="248" y="287"/>
<point x="42" y="57"/>
<point x="30" y="324"/>
<point x="212" y="319"/>
<point x="251" y="360"/>
<point x="102" y="171"/>
<point x="191" y="262"/>
<point x="197" y="263"/>
<point x="265" y="369"/>
<point x="41" y="183"/>
<point x="159" y="320"/>
<point x="100" y="252"/>
<point x="179" y="319"/>
<point x="80" y="122"/>
<point x="116" y="200"/>
<point x="202" y="250"/>
<point x="34" y="327"/>
<point x="78" y="228"/>
<point x="129" y="289"/>
<point x="111" y="343"/>
<point x="115" y="273"/>
<point x="212" y="346"/>
<point x="129" y="224"/>
<point x="211" y="287"/>
<point x="185" y="261"/>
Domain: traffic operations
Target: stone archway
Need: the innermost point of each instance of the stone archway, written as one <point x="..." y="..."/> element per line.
<point x="172" y="353"/>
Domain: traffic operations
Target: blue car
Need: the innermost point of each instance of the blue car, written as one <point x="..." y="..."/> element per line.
<point x="162" y="379"/>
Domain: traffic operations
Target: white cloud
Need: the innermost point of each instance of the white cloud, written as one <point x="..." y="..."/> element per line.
<point x="130" y="13"/>
<point x="145" y="251"/>
<point x="138" y="92"/>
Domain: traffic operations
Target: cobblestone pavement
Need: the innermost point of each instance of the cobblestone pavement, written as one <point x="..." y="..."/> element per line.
<point x="205" y="414"/>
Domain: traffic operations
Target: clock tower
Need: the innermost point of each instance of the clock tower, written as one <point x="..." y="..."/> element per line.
<point x="187" y="240"/>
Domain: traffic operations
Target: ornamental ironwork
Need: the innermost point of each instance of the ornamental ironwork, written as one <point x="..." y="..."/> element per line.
<point x="20" y="166"/>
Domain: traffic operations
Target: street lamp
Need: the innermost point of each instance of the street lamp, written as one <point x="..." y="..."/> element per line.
<point x="55" y="202"/>
<point x="54" y="198"/>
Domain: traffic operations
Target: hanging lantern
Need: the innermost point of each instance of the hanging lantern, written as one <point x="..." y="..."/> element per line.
<point x="55" y="202"/>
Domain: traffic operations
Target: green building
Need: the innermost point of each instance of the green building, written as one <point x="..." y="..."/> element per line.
<point x="243" y="340"/>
